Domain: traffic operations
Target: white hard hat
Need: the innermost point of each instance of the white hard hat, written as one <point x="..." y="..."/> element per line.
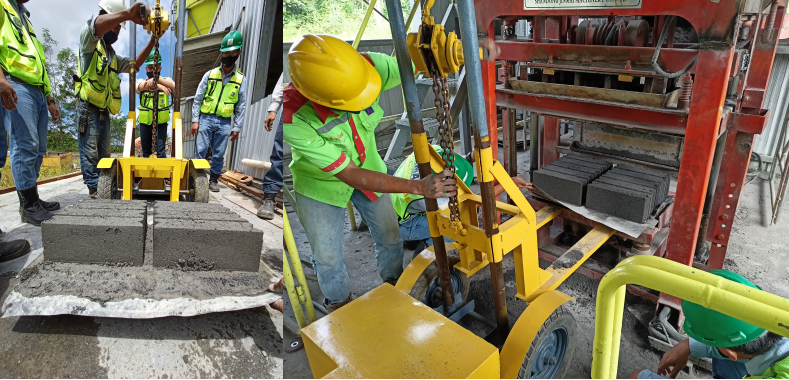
<point x="114" y="6"/>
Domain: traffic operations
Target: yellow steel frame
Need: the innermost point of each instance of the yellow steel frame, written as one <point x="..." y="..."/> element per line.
<point x="174" y="168"/>
<point x="299" y="294"/>
<point x="747" y="304"/>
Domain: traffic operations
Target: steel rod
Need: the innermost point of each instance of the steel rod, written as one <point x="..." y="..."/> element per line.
<point x="178" y="64"/>
<point x="468" y="34"/>
<point x="132" y="79"/>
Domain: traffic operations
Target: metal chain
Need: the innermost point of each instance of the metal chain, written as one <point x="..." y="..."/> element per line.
<point x="446" y="133"/>
<point x="155" y="84"/>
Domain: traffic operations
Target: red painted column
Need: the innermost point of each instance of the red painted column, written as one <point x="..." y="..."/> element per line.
<point x="549" y="141"/>
<point x="700" y="138"/>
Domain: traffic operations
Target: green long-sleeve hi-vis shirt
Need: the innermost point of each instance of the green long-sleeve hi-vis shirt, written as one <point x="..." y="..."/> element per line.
<point x="324" y="141"/>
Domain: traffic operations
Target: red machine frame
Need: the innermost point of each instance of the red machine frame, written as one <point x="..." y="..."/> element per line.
<point x="717" y="25"/>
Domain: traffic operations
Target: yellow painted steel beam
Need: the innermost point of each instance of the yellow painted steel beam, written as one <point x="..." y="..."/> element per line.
<point x="127" y="140"/>
<point x="526" y="328"/>
<point x="547" y="214"/>
<point x="304" y="296"/>
<point x="362" y="27"/>
<point x="571" y="260"/>
<point x="179" y="131"/>
<point x="747" y="304"/>
<point x="415" y="269"/>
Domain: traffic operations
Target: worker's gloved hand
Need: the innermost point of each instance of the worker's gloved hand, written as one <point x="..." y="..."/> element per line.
<point x="675" y="358"/>
<point x="195" y="126"/>
<point x="439" y="185"/>
<point x="270" y="120"/>
<point x="134" y="13"/>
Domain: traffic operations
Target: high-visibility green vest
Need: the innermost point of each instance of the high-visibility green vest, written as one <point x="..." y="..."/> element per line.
<point x="221" y="99"/>
<point x="21" y="54"/>
<point x="100" y="84"/>
<point x="779" y="370"/>
<point x="146" y="108"/>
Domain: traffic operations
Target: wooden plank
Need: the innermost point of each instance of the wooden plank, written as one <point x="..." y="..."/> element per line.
<point x="252" y="205"/>
<point x="627" y="97"/>
<point x="43" y="181"/>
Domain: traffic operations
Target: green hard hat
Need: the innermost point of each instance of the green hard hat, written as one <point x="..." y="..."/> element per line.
<point x="463" y="169"/>
<point x="232" y="41"/>
<point x="714" y="328"/>
<point x="152" y="56"/>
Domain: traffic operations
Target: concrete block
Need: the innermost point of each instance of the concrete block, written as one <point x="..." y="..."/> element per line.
<point x="575" y="173"/>
<point x="595" y="172"/>
<point x="101" y="212"/>
<point x="658" y="198"/>
<point x="618" y="201"/>
<point x="648" y="192"/>
<point x="110" y="204"/>
<point x="663" y="178"/>
<point x="165" y="207"/>
<point x="94" y="240"/>
<point x="191" y="215"/>
<point x="563" y="187"/>
<point x="589" y="160"/>
<point x="232" y="246"/>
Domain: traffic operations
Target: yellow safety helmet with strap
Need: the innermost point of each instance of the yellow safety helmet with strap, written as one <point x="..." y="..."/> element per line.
<point x="328" y="71"/>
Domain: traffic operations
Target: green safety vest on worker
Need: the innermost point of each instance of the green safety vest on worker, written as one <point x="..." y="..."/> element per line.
<point x="100" y="84"/>
<point x="779" y="370"/>
<point x="146" y="108"/>
<point x="221" y="99"/>
<point x="23" y="55"/>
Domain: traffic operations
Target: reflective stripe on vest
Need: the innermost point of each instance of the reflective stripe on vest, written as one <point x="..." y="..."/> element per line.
<point x="221" y="99"/>
<point x="146" y="108"/>
<point x="21" y="54"/>
<point x="100" y="84"/>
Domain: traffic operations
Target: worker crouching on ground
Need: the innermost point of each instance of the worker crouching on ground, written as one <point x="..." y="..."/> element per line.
<point x="737" y="349"/>
<point x="153" y="66"/>
<point x="220" y="95"/>
<point x="25" y="92"/>
<point x="330" y="115"/>
<point x="99" y="85"/>
<point x="411" y="209"/>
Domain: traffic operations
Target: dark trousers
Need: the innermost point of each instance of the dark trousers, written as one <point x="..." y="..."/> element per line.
<point x="146" y="139"/>
<point x="272" y="182"/>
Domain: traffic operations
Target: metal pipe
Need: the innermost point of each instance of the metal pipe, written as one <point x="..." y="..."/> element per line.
<point x="747" y="304"/>
<point x="304" y="297"/>
<point x="468" y="34"/>
<point x="132" y="81"/>
<point x="178" y="62"/>
<point x="367" y="15"/>
<point x="711" y="185"/>
<point x="534" y="143"/>
<point x="485" y="321"/>
<point x="419" y="139"/>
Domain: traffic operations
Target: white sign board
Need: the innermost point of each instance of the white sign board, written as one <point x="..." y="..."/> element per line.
<point x="580" y="4"/>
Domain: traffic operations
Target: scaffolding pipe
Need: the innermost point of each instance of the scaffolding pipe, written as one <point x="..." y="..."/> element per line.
<point x="468" y="34"/>
<point x="132" y="80"/>
<point x="178" y="64"/>
<point x="367" y="15"/>
<point x="419" y="139"/>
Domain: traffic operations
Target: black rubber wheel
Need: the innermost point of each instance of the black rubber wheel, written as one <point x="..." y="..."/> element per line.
<point x="552" y="349"/>
<point x="198" y="182"/>
<point x="108" y="183"/>
<point x="429" y="281"/>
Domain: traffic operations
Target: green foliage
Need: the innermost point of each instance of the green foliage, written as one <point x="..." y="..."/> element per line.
<point x="61" y="66"/>
<point x="340" y="18"/>
<point x="61" y="142"/>
<point x="117" y="132"/>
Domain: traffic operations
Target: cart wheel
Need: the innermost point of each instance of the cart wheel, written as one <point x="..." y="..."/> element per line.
<point x="198" y="181"/>
<point x="108" y="183"/>
<point x="429" y="282"/>
<point x="552" y="349"/>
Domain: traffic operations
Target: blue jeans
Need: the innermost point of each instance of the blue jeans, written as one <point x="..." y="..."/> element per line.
<point x="94" y="143"/>
<point x="272" y="181"/>
<point x="214" y="131"/>
<point x="27" y="128"/>
<point x="146" y="140"/>
<point x="416" y="228"/>
<point x="324" y="226"/>
<point x="721" y="369"/>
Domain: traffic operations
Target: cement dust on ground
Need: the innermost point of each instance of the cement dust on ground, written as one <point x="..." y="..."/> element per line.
<point x="757" y="251"/>
<point x="245" y="343"/>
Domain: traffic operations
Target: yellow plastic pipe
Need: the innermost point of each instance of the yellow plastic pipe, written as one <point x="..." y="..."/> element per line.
<point x="302" y="292"/>
<point x="750" y="305"/>
<point x="367" y="14"/>
<point x="290" y="286"/>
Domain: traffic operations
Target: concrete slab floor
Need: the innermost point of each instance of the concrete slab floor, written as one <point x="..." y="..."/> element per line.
<point x="238" y="344"/>
<point x="757" y="251"/>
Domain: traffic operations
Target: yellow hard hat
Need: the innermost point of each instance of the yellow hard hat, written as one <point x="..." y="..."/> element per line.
<point x="328" y="71"/>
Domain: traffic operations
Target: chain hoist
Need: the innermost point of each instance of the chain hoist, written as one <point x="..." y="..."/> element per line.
<point x="160" y="21"/>
<point x="438" y="55"/>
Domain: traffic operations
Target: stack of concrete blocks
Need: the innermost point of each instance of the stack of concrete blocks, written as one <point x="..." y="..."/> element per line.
<point x="114" y="231"/>
<point x="566" y="179"/>
<point x="205" y="230"/>
<point x="97" y="232"/>
<point x="628" y="192"/>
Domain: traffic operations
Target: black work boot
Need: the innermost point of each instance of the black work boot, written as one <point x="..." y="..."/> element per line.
<point x="92" y="192"/>
<point x="213" y="183"/>
<point x="32" y="212"/>
<point x="266" y="210"/>
<point x="333" y="308"/>
<point x="13" y="249"/>
<point x="49" y="206"/>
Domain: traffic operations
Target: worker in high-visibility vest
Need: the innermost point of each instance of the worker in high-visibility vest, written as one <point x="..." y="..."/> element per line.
<point x="145" y="116"/>
<point x="24" y="86"/>
<point x="98" y="86"/>
<point x="220" y="96"/>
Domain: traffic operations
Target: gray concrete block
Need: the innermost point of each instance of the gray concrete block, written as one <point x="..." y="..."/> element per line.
<point x="648" y="192"/>
<point x="564" y="170"/>
<point x="589" y="160"/>
<point x="563" y="187"/>
<point x="94" y="240"/>
<point x="165" y="207"/>
<point x="107" y="204"/>
<point x="192" y="215"/>
<point x="662" y="178"/>
<point x="101" y="212"/>
<point x="595" y="172"/>
<point x="657" y="196"/>
<point x="232" y="246"/>
<point x="618" y="201"/>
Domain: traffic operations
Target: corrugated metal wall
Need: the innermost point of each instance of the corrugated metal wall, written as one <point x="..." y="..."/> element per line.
<point x="776" y="101"/>
<point x="254" y="141"/>
<point x="186" y="116"/>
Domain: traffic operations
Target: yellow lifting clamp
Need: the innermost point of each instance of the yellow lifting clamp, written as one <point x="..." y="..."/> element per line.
<point x="430" y="44"/>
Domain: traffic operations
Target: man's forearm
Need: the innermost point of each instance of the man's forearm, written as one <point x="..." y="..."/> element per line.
<point x="105" y="23"/>
<point x="369" y="180"/>
<point x="167" y="83"/>
<point x="143" y="55"/>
